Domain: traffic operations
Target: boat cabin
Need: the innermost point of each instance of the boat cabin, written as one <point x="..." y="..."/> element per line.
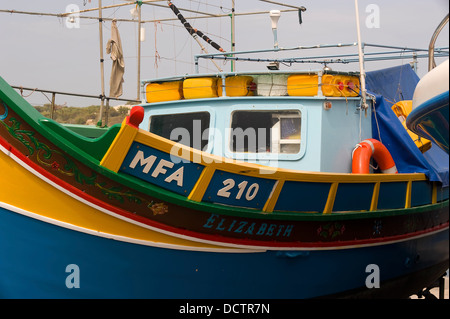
<point x="307" y="121"/>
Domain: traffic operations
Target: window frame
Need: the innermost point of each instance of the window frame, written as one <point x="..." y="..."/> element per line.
<point x="263" y="156"/>
<point x="208" y="110"/>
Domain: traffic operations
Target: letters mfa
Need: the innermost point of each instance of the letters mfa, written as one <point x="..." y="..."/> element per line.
<point x="160" y="169"/>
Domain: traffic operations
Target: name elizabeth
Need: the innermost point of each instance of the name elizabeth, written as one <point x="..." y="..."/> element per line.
<point x="223" y="224"/>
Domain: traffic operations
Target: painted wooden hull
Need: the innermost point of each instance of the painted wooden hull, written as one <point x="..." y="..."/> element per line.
<point x="429" y="117"/>
<point x="88" y="207"/>
<point x="114" y="174"/>
<point x="230" y="226"/>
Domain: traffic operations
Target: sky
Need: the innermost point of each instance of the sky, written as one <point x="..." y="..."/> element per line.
<point x="43" y="52"/>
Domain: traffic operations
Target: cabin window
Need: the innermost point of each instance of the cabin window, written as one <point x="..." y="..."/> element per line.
<point x="189" y="129"/>
<point x="266" y="132"/>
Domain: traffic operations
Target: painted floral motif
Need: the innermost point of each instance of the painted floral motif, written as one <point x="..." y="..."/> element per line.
<point x="55" y="165"/>
<point x="116" y="193"/>
<point x="25" y="137"/>
<point x="60" y="162"/>
<point x="331" y="230"/>
<point x="377" y="227"/>
<point x="159" y="208"/>
<point x="45" y="155"/>
<point x="5" y="112"/>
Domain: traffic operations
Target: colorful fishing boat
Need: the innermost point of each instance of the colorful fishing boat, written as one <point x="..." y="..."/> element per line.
<point x="227" y="185"/>
<point x="177" y="210"/>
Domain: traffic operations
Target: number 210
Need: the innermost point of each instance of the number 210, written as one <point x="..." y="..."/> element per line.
<point x="250" y="194"/>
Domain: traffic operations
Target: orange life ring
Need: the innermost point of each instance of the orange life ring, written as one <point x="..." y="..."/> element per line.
<point x="372" y="148"/>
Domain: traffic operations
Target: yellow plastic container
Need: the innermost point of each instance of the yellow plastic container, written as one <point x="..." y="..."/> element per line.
<point x="200" y="88"/>
<point x="236" y="86"/>
<point x="340" y="85"/>
<point x="351" y="86"/>
<point x="303" y="85"/>
<point x="328" y="85"/>
<point x="402" y="110"/>
<point x="164" y="92"/>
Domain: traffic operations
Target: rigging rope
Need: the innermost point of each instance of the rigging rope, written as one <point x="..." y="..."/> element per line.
<point x="157" y="56"/>
<point x="193" y="32"/>
<point x="25" y="96"/>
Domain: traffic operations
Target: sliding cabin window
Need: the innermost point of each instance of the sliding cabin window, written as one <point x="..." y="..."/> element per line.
<point x="277" y="132"/>
<point x="189" y="129"/>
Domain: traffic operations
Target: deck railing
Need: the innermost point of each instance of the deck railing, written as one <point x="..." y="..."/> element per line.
<point x="103" y="117"/>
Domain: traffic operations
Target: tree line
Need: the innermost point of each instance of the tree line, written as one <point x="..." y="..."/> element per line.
<point x="83" y="115"/>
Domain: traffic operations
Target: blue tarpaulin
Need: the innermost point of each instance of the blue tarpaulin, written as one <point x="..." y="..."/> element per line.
<point x="390" y="86"/>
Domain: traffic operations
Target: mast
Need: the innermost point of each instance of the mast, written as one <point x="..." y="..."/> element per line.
<point x="102" y="65"/>
<point x="233" y="32"/>
<point x="139" y="5"/>
<point x="361" y="61"/>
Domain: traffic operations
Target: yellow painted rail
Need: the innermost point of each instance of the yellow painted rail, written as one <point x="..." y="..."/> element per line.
<point x="281" y="185"/>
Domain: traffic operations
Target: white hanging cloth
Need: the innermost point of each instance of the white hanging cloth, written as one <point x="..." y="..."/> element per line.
<point x="114" y="47"/>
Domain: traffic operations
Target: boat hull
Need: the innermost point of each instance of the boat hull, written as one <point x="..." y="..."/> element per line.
<point x="430" y="120"/>
<point x="429" y="117"/>
<point x="98" y="220"/>
<point x="40" y="257"/>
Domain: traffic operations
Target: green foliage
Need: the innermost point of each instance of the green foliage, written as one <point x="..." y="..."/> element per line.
<point x="82" y="115"/>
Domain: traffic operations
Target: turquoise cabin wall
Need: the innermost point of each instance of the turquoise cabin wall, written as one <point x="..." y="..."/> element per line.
<point x="340" y="134"/>
<point x="328" y="136"/>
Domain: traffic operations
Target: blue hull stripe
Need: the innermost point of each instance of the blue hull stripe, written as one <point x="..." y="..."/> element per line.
<point x="392" y="195"/>
<point x="34" y="256"/>
<point x="312" y="196"/>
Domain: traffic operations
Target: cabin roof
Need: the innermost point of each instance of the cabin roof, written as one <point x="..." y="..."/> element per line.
<point x="243" y="73"/>
<point x="311" y="83"/>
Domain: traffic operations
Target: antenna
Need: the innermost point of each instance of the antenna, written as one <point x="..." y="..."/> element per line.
<point x="275" y="17"/>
